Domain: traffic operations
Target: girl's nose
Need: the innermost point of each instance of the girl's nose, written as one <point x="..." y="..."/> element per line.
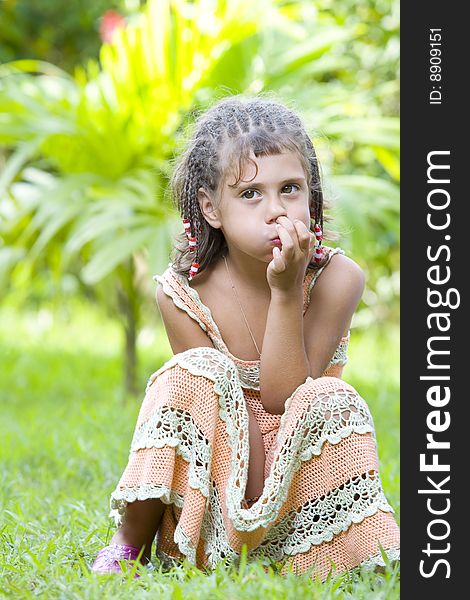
<point x="275" y="210"/>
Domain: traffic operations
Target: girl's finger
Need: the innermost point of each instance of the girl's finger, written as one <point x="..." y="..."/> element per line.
<point x="303" y="235"/>
<point x="286" y="239"/>
<point x="279" y="264"/>
<point x="290" y="228"/>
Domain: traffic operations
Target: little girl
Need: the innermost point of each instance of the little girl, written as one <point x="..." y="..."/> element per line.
<point x="248" y="434"/>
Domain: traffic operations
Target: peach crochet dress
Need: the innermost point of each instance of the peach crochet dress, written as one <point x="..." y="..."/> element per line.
<point x="322" y="499"/>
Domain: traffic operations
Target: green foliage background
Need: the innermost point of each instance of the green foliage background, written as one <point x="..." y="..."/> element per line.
<point x="87" y="155"/>
<point x="63" y="33"/>
<point x="87" y="136"/>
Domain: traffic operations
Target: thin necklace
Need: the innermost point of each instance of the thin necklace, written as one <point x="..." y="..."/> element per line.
<point x="241" y="308"/>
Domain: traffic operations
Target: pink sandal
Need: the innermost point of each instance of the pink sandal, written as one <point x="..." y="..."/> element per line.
<point x="107" y="560"/>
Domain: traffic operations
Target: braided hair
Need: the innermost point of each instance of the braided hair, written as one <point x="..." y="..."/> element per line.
<point x="224" y="136"/>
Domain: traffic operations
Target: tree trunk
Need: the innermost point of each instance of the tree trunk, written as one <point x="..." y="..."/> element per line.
<point x="130" y="313"/>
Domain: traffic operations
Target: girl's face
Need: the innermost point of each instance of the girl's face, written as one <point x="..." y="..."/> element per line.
<point x="248" y="213"/>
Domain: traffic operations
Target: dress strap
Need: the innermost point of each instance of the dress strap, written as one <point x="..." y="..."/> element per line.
<point x="187" y="299"/>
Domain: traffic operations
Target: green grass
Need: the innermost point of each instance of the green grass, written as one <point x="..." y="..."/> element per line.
<point x="65" y="430"/>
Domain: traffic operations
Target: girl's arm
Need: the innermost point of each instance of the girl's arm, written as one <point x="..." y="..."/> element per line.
<point x="182" y="331"/>
<point x="295" y="347"/>
<point x="284" y="361"/>
<point x="333" y="302"/>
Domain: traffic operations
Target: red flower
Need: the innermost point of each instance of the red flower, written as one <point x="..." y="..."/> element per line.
<point x="110" y="21"/>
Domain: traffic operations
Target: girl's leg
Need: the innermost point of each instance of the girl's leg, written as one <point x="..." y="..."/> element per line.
<point x="255" y="482"/>
<point x="140" y="524"/>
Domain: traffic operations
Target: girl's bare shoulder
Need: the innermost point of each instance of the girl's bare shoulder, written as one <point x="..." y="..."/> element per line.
<point x="342" y="275"/>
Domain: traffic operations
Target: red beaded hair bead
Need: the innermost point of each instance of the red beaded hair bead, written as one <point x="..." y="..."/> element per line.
<point x="318" y="254"/>
<point x="187" y="227"/>
<point x="318" y="232"/>
<point x="193" y="270"/>
<point x="318" y="251"/>
<point x="192" y="243"/>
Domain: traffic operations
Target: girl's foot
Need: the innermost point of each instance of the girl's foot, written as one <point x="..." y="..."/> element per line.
<point x="109" y="557"/>
<point x="138" y="530"/>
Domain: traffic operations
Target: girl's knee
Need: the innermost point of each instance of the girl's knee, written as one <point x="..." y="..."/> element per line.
<point x="199" y="358"/>
<point x="207" y="357"/>
<point x="327" y="385"/>
<point x="330" y="395"/>
<point x="208" y="351"/>
<point x="195" y="369"/>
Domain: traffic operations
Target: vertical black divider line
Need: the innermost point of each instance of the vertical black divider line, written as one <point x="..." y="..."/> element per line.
<point x="435" y="252"/>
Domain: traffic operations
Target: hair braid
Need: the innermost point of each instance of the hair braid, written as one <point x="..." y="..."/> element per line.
<point x="315" y="185"/>
<point x="233" y="127"/>
<point x="244" y="119"/>
<point x="254" y="114"/>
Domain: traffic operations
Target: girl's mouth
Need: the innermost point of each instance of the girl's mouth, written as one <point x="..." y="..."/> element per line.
<point x="276" y="242"/>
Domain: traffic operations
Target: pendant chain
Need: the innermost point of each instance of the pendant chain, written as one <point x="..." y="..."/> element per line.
<point x="241" y="308"/>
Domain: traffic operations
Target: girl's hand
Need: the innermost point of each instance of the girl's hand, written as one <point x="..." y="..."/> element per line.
<point x="287" y="269"/>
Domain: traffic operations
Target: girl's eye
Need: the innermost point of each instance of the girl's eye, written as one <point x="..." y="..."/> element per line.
<point x="291" y="189"/>
<point x="249" y="192"/>
<point x="291" y="185"/>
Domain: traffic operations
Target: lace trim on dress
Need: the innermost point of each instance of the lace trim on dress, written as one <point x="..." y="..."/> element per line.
<point x="185" y="544"/>
<point x="314" y="523"/>
<point x="193" y="293"/>
<point x="370" y="563"/>
<point x="248" y="370"/>
<point x="331" y="417"/>
<point x="121" y="497"/>
<point x="170" y="426"/>
<point x="392" y="554"/>
<point x="249" y="376"/>
<point x="213" y="532"/>
<point x="169" y="291"/>
<point x="320" y="519"/>
<point x="340" y="356"/>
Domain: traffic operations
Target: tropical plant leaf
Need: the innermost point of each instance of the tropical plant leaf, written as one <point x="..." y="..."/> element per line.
<point x="389" y="160"/>
<point x="107" y="135"/>
<point x="15" y="163"/>
<point x="377" y="131"/>
<point x="113" y="252"/>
